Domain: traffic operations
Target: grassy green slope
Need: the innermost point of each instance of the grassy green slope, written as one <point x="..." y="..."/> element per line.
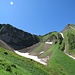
<point x="69" y="34"/>
<point x="58" y="64"/>
<point x="53" y="36"/>
<point x="61" y="63"/>
<point x="13" y="64"/>
<point x="38" y="49"/>
<point x="49" y="36"/>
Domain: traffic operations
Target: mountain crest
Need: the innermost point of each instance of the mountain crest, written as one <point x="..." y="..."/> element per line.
<point x="16" y="38"/>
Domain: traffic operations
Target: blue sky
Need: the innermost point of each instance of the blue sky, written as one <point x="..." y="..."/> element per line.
<point x="38" y="16"/>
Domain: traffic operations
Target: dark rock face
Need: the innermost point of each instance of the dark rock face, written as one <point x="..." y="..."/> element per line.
<point x="16" y="38"/>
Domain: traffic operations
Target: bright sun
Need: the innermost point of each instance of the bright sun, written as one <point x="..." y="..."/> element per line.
<point x="11" y="3"/>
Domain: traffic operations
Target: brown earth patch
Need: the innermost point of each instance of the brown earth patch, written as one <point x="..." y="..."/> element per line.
<point x="29" y="49"/>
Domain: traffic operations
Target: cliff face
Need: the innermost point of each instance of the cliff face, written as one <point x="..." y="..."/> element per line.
<point x="16" y="38"/>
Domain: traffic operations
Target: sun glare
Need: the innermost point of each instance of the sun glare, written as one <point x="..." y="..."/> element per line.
<point x="11" y="3"/>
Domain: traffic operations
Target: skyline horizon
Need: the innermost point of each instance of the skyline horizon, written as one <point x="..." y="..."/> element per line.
<point x="37" y="16"/>
<point x="38" y="34"/>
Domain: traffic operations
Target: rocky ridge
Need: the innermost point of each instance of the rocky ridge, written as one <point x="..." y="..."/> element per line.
<point x="16" y="38"/>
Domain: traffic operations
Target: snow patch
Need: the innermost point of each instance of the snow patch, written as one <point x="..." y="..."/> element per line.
<point x="31" y="57"/>
<point x="62" y="35"/>
<point x="49" y="42"/>
<point x="41" y="52"/>
<point x="70" y="56"/>
<point x="45" y="59"/>
<point x="72" y="28"/>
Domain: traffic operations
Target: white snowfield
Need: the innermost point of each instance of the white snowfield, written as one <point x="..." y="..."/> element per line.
<point x="35" y="58"/>
<point x="49" y="42"/>
<point x="62" y="35"/>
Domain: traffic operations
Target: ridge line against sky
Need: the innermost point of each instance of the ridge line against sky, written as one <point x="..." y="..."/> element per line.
<point x="38" y="16"/>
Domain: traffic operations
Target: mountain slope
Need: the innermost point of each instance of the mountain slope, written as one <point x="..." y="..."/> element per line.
<point x="16" y="38"/>
<point x="55" y="49"/>
<point x="61" y="63"/>
<point x="12" y="64"/>
<point x="4" y="45"/>
<point x="58" y="62"/>
<point x="69" y="34"/>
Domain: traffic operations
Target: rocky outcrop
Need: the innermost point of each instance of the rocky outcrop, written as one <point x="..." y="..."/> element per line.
<point x="16" y="38"/>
